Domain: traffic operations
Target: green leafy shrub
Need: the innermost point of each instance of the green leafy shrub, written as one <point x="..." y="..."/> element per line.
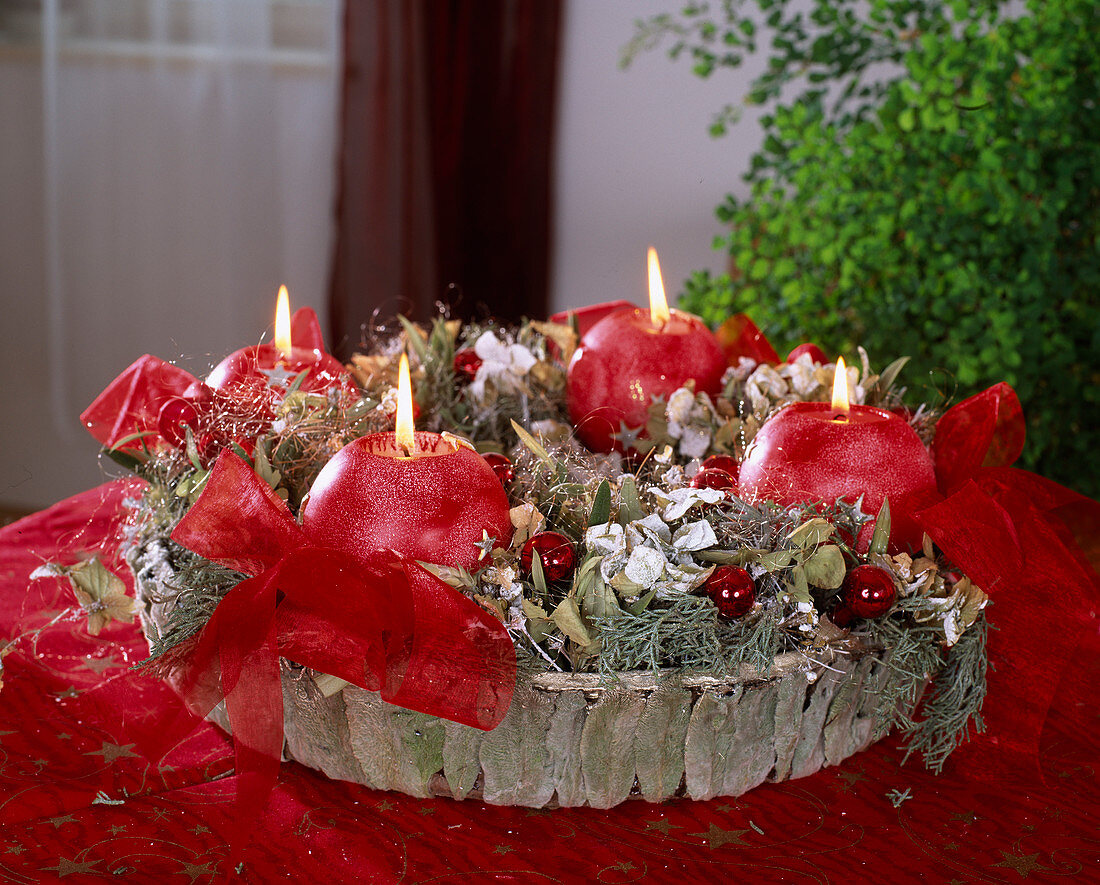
<point x="934" y="190"/>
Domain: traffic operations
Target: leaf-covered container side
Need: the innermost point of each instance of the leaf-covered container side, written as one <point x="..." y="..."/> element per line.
<point x="580" y="739"/>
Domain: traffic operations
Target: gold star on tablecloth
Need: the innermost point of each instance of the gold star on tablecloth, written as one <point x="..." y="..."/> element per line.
<point x="1021" y="863"/>
<point x="194" y="870"/>
<point x="851" y="778"/>
<point x="199" y="830"/>
<point x="716" y="837"/>
<point x="110" y="752"/>
<point x="662" y="826"/>
<point x="99" y="665"/>
<point x="61" y="819"/>
<point x="115" y="830"/>
<point x="503" y="849"/>
<point x="66" y="867"/>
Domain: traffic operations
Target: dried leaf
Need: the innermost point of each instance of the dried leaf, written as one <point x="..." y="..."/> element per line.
<point x="416" y="337"/>
<point x="880" y="539"/>
<point x="563" y="336"/>
<point x="599" y="602"/>
<point x="453" y="575"/>
<point x="100" y="592"/>
<point x="825" y="568"/>
<point x="630" y="505"/>
<point x="601" y="505"/>
<point x="533" y="444"/>
<point x="539" y="625"/>
<point x="811" y="534"/>
<point x="798" y="586"/>
<point x="527" y="522"/>
<point x="889" y="375"/>
<point x="776" y="560"/>
<point x="567" y="617"/>
<point x="498" y="608"/>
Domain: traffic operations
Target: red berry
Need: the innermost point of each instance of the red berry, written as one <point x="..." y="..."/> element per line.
<point x="732" y="591"/>
<point x="555" y="552"/>
<point x="713" y="478"/>
<point x="868" y="591"/>
<point x="727" y="463"/>
<point x="175" y="416"/>
<point x="209" y="446"/>
<point x="502" y="467"/>
<point x="466" y="365"/>
<point x="815" y="352"/>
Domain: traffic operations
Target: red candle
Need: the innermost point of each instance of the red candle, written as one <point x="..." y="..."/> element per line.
<point x="424" y="495"/>
<point x="633" y="355"/>
<point x="266" y="370"/>
<point x="821" y="452"/>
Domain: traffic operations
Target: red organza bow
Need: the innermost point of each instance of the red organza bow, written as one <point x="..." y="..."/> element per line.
<point x="387" y="625"/>
<point x="1007" y="530"/>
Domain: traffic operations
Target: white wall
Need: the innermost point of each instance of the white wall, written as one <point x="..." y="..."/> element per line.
<point x="635" y="163"/>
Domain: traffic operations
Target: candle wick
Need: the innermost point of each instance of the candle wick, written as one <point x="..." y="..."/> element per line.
<point x="406" y="451"/>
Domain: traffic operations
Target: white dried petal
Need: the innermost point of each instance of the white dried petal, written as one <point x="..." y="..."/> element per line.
<point x="606" y="538"/>
<point x="694" y="442"/>
<point x="645" y="566"/>
<point x="680" y="405"/>
<point x="698" y="535"/>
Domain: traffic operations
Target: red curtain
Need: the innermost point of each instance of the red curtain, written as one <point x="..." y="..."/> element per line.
<point x="444" y="182"/>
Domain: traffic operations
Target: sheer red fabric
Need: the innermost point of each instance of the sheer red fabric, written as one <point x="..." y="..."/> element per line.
<point x="131" y="403"/>
<point x="740" y="337"/>
<point x="1001" y="526"/>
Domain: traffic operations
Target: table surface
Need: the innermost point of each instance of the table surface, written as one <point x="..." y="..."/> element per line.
<point x="79" y="802"/>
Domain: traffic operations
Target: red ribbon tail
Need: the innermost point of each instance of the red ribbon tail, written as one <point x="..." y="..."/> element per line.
<point x="131" y="403"/>
<point x="1040" y="600"/>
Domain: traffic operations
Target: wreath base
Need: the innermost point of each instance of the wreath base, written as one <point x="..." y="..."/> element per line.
<point x="575" y="739"/>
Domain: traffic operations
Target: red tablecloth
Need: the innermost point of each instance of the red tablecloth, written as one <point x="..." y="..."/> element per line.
<point x="78" y="802"/>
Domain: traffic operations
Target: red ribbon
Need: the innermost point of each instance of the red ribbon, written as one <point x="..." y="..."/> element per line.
<point x="1005" y="529"/>
<point x="740" y="337"/>
<point x="386" y="625"/>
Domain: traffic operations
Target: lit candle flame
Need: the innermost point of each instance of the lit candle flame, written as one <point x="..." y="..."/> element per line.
<point x="282" y="322"/>
<point x="658" y="304"/>
<point x="406" y="440"/>
<point x="840" y="389"/>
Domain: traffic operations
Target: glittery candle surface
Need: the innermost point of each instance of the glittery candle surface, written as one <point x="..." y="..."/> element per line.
<point x="436" y="506"/>
<point x="625" y="360"/>
<point x="266" y="366"/>
<point x="805" y="454"/>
